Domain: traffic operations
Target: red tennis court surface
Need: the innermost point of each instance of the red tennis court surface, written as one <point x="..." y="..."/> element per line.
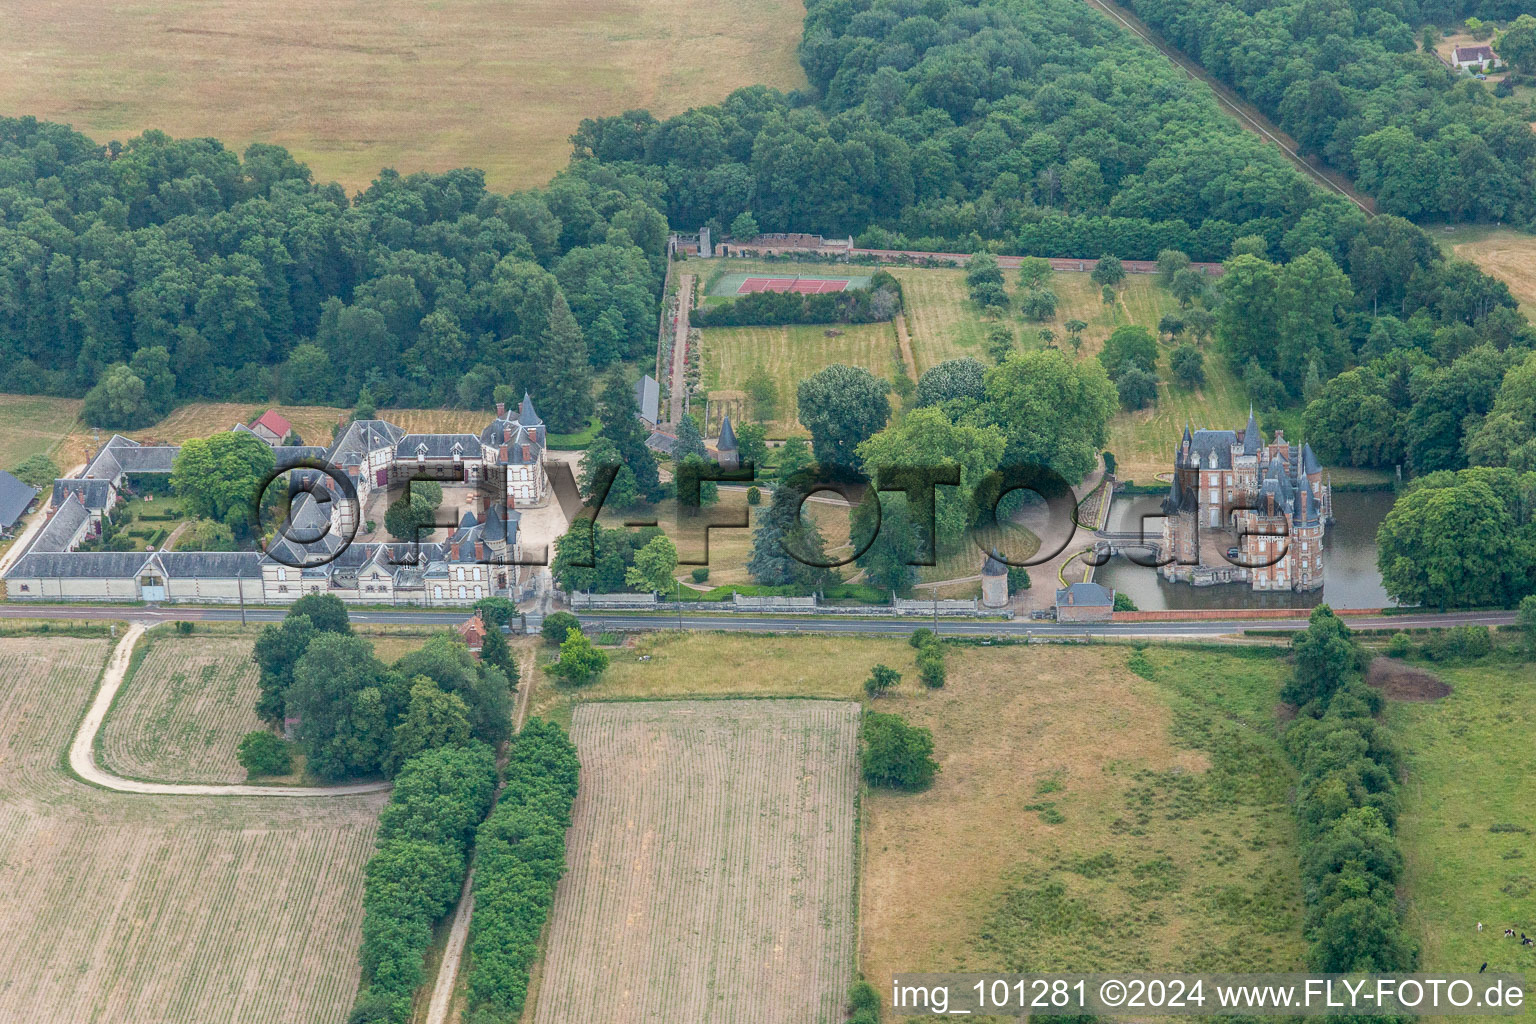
<point x="791" y="284"/>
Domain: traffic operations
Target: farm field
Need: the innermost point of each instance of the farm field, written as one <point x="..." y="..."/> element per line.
<point x="1096" y="806"/>
<point x="1505" y="253"/>
<point x="353" y="87"/>
<point x="182" y="710"/>
<point x="36" y="425"/>
<point x="121" y="907"/>
<point x="711" y="865"/>
<point x="1468" y="815"/>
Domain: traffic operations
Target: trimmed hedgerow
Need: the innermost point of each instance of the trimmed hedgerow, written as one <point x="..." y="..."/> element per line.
<point x="519" y="858"/>
<point x="412" y="880"/>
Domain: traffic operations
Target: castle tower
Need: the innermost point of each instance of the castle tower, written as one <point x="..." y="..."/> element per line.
<point x="728" y="454"/>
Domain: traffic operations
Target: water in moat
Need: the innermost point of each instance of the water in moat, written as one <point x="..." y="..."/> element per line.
<point x="1351" y="579"/>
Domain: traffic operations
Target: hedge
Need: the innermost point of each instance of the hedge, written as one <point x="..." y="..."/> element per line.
<point x="519" y="858"/>
<point x="1346" y="811"/>
<point x="414" y="876"/>
<point x="772" y="309"/>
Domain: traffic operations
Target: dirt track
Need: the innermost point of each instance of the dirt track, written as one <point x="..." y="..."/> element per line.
<point x="82" y="752"/>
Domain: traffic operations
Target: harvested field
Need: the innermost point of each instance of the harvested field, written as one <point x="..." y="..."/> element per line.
<point x="352" y="86"/>
<point x="1505" y="253"/>
<point x="182" y="710"/>
<point x="36" y="425"/>
<point x="1405" y="682"/>
<point x="174" y="910"/>
<point x="711" y="865"/>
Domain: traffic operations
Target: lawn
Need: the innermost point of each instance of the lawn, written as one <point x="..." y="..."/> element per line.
<point x="1096" y="808"/>
<point x="169" y="909"/>
<point x="789" y="354"/>
<point x="352" y="86"/>
<point x="1469" y="812"/>
<point x="943" y="323"/>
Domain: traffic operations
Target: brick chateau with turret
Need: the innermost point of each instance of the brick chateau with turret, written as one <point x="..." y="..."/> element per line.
<point x="1269" y="502"/>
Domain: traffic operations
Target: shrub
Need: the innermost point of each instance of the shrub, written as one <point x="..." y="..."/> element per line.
<point x="496" y="611"/>
<point x="881" y="679"/>
<point x="754" y="496"/>
<point x="895" y="754"/>
<point x="184" y="627"/>
<point x="921" y="637"/>
<point x="1018" y="579"/>
<point x="1399" y="645"/>
<point x="700" y="574"/>
<point x="263" y="753"/>
<point x="580" y="663"/>
<point x="930" y="665"/>
<point x="557" y="625"/>
<point x="1123" y="602"/>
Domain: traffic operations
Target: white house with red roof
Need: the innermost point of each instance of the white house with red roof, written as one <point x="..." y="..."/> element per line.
<point x="1475" y="57"/>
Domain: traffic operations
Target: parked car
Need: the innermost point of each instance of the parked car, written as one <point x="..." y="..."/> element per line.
<point x="1232" y="552"/>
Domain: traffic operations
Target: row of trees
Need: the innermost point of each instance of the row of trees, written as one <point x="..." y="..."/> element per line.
<point x="1349" y="83"/>
<point x="519" y="858"/>
<point x="160" y="270"/>
<point x="1346" y="806"/>
<point x="415" y="875"/>
<point x="356" y="716"/>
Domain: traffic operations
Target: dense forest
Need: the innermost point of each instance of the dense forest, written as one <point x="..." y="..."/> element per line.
<point x="1348" y="80"/>
<point x="213" y="276"/>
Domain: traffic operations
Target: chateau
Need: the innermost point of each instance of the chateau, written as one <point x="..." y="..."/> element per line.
<point x="477" y="559"/>
<point x="1240" y="510"/>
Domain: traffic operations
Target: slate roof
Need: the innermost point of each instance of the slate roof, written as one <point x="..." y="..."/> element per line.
<point x="526" y="414"/>
<point x="726" y="442"/>
<point x="659" y="442"/>
<point x="210" y="564"/>
<point x="362" y="437"/>
<point x="15" y="496"/>
<point x="1252" y="441"/>
<point x="1087" y="595"/>
<point x="62" y="526"/>
<point x="148" y="458"/>
<point x="1309" y="463"/>
<point x="1205" y="442"/>
<point x="94" y="493"/>
<point x="78" y="564"/>
<point x="438" y="446"/>
<point x="994" y="566"/>
<point x="648" y="398"/>
<point x="288" y="455"/>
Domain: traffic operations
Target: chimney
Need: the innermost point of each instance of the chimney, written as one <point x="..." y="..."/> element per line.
<point x="453" y="551"/>
<point x="527" y="453"/>
<point x="503" y="453"/>
<point x="479" y="551"/>
<point x="501" y="410"/>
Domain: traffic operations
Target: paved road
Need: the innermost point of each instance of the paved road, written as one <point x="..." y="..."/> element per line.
<point x="776" y="623"/>
<point x="82" y="752"/>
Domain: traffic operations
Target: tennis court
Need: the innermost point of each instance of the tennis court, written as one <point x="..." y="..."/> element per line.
<point x="804" y="284"/>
